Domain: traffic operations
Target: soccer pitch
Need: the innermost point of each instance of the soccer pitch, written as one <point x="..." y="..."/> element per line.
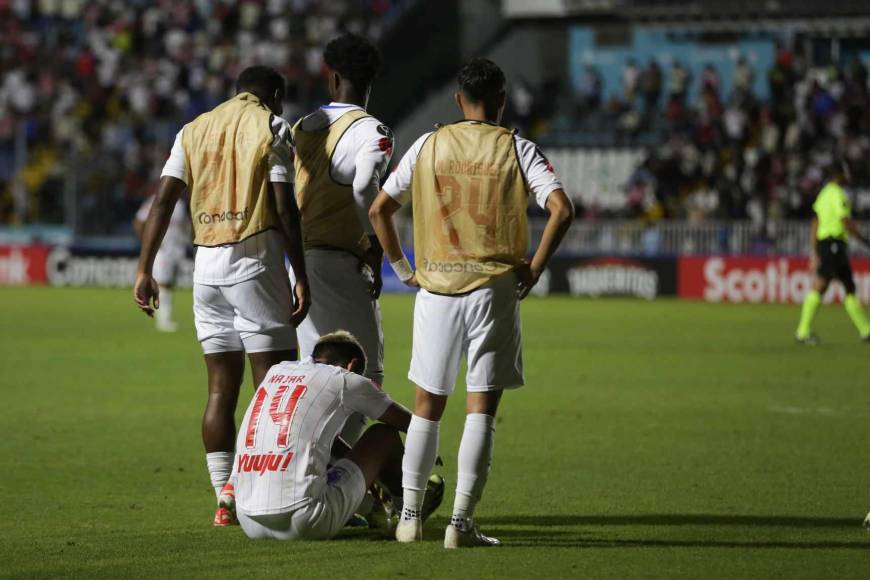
<point x="654" y="439"/>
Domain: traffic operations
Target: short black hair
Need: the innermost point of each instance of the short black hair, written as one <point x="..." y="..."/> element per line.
<point x="262" y="81"/>
<point x="339" y="348"/>
<point x="482" y="81"/>
<point x="354" y="58"/>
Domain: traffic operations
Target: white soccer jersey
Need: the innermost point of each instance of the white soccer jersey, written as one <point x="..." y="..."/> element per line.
<point x="361" y="156"/>
<point x="540" y="178"/>
<point x="177" y="236"/>
<point x="234" y="263"/>
<point x="286" y="437"/>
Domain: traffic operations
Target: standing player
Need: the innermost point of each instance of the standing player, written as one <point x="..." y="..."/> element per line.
<point x="341" y="154"/>
<point x="169" y="257"/>
<point x="235" y="161"/>
<point x="283" y="487"/>
<point x="829" y="257"/>
<point x="469" y="183"/>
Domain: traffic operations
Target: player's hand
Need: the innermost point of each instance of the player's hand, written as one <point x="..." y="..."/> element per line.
<point x="526" y="279"/>
<point x="301" y="302"/>
<point x="146" y="293"/>
<point x="374" y="260"/>
<point x="412" y="282"/>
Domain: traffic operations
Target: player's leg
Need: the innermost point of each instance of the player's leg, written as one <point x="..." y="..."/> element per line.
<point x="225" y="364"/>
<point x="851" y="302"/>
<point x="262" y="361"/>
<point x="225" y="373"/>
<point x="826" y="271"/>
<point x="164" y="273"/>
<point x="262" y="307"/>
<point x="438" y="344"/>
<point x="494" y="364"/>
<point x="342" y="285"/>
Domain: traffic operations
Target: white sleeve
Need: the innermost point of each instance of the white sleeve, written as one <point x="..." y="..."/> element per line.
<point x="144" y="209"/>
<point x="282" y="152"/>
<point x="362" y="396"/>
<point x="398" y="185"/>
<point x="374" y="145"/>
<point x="176" y="165"/>
<point x="539" y="174"/>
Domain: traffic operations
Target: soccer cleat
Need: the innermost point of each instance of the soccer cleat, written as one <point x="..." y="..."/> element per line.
<point x="434" y="496"/>
<point x="466" y="535"/>
<point x="225" y="515"/>
<point x="809" y="340"/>
<point x="409" y="530"/>
<point x="383" y="515"/>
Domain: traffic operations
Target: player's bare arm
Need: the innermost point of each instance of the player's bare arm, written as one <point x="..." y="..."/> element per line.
<point x="290" y="224"/>
<point x="381" y="216"/>
<point x="146" y="292"/>
<point x="561" y="215"/>
<point x="396" y="416"/>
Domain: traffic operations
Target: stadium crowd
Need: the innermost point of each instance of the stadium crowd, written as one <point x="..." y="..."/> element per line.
<point x="734" y="156"/>
<point x="104" y="85"/>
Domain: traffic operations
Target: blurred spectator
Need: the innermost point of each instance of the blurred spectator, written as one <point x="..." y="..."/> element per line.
<point x="651" y="85"/>
<point x="678" y="82"/>
<point x="589" y="91"/>
<point x="630" y="79"/>
<point x="743" y="76"/>
<point x="103" y="85"/>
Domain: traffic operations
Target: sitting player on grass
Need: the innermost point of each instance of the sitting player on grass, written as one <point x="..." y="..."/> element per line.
<point x="283" y="487"/>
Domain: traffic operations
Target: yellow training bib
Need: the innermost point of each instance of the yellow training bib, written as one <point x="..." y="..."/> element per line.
<point x="470" y="201"/>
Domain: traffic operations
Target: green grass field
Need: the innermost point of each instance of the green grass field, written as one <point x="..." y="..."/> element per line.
<point x="654" y="440"/>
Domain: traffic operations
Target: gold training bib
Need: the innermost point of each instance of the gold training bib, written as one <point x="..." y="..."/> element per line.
<point x="329" y="217"/>
<point x="470" y="201"/>
<point x="227" y="151"/>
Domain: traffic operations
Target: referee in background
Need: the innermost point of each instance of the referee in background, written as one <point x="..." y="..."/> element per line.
<point x="829" y="258"/>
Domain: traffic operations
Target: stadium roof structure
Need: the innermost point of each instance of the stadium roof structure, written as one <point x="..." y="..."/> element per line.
<point x="689" y="11"/>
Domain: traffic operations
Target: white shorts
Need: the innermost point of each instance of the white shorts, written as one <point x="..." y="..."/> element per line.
<point x="341" y="300"/>
<point x="322" y="518"/>
<point x="167" y="265"/>
<point x="484" y="325"/>
<point x="253" y="315"/>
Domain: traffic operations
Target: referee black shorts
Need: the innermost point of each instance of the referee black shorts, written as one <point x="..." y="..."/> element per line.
<point x="834" y="262"/>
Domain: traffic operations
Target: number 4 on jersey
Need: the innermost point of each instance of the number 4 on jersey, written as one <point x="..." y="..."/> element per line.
<point x="282" y="418"/>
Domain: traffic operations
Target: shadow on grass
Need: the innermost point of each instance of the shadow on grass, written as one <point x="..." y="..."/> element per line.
<point x="542" y="531"/>
<point x="675" y="520"/>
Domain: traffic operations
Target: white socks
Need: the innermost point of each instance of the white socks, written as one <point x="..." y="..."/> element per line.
<point x="475" y="457"/>
<point x="220" y="466"/>
<point x="421" y="449"/>
<point x="163" y="314"/>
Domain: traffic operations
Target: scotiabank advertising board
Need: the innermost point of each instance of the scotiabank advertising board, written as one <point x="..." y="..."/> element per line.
<point x="749" y="279"/>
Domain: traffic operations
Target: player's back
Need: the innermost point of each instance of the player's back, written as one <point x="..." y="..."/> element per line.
<point x="470" y="202"/>
<point x="285" y="439"/>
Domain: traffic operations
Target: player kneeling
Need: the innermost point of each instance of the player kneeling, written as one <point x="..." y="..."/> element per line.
<point x="284" y="488"/>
